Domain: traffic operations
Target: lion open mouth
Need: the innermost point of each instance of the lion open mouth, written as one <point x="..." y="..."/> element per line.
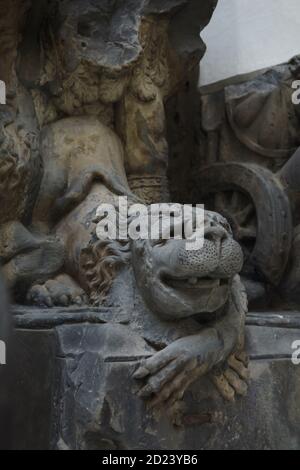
<point x="194" y="283"/>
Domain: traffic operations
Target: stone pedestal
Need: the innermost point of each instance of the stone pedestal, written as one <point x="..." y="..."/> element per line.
<point x="74" y="388"/>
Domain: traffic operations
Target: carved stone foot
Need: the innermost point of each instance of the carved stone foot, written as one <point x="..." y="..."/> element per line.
<point x="61" y="291"/>
<point x="233" y="381"/>
<point x="28" y="258"/>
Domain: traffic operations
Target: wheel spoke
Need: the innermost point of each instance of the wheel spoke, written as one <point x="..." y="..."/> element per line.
<point x="247" y="232"/>
<point x="220" y="201"/>
<point x="235" y="201"/>
<point x="243" y="216"/>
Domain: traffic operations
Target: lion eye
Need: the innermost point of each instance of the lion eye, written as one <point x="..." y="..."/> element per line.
<point x="158" y="243"/>
<point x="227" y="227"/>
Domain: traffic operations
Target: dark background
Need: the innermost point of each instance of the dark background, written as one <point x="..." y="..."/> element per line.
<point x="5" y="409"/>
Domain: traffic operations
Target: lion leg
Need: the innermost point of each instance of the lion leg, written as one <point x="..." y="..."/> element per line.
<point x="61" y="291"/>
<point x="31" y="267"/>
<point x="28" y="258"/>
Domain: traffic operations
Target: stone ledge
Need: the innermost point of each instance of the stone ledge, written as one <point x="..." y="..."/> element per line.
<point x="94" y="363"/>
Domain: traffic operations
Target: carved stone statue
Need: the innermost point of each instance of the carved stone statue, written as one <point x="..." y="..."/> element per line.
<point x="171" y="292"/>
<point x="248" y="168"/>
<point x="189" y="306"/>
<point x="143" y="344"/>
<point x="85" y="123"/>
<point x="130" y="335"/>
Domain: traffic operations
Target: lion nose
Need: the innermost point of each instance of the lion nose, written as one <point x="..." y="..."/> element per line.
<point x="215" y="231"/>
<point x="221" y="258"/>
<point x="199" y="263"/>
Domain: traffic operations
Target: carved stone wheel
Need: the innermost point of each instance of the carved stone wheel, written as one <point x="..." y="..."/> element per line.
<point x="256" y="205"/>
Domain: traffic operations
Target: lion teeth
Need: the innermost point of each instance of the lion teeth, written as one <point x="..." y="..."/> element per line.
<point x="193" y="280"/>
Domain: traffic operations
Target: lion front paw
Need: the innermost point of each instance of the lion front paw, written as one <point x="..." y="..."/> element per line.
<point x="62" y="291"/>
<point x="234" y="379"/>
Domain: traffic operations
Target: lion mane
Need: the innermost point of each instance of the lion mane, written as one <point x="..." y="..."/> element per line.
<point x="99" y="265"/>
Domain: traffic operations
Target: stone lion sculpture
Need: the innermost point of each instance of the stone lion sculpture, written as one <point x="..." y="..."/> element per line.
<point x="186" y="309"/>
<point x="189" y="305"/>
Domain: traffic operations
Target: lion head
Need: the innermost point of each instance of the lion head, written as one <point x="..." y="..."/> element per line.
<point x="177" y="283"/>
<point x="174" y="282"/>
